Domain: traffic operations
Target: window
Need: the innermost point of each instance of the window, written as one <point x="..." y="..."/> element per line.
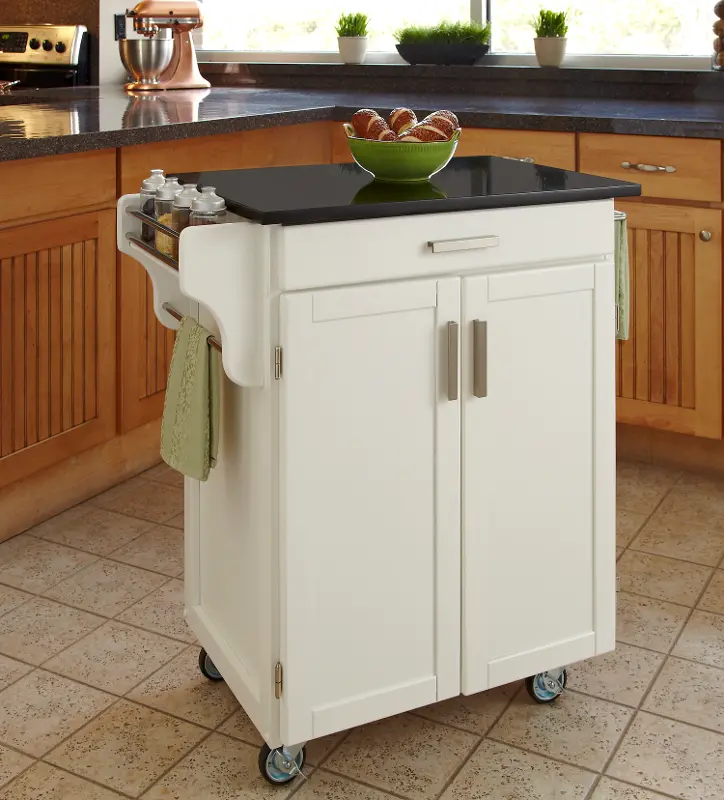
<point x="273" y="28"/>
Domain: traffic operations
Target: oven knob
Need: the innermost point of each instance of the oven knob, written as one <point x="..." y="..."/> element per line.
<point x="47" y="45"/>
<point x="34" y="44"/>
<point x="60" y="47"/>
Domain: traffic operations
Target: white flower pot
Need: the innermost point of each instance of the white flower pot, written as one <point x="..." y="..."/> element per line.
<point x="352" y="48"/>
<point x="550" y="51"/>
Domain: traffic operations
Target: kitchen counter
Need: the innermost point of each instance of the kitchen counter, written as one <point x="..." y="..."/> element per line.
<point x="49" y="122"/>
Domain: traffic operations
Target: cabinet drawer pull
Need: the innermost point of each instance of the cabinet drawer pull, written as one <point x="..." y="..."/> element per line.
<point x="525" y="159"/>
<point x="475" y="243"/>
<point x="452" y="361"/>
<point x="705" y="236"/>
<point x="480" y="358"/>
<point x="647" y="167"/>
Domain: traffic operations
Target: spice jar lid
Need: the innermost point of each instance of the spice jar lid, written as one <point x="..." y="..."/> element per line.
<point x="148" y="185"/>
<point x="156" y="177"/>
<point x="201" y="203"/>
<point x="186" y="196"/>
<point x="216" y="203"/>
<point x="168" y="191"/>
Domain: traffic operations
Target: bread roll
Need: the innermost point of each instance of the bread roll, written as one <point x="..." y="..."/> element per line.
<point x="401" y="119"/>
<point x="441" y="124"/>
<point x="379" y="129"/>
<point x="361" y="121"/>
<point x="423" y="132"/>
<point x="719" y="27"/>
<point x="447" y="115"/>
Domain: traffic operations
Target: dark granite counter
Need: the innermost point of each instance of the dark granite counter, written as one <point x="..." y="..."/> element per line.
<point x="49" y="122"/>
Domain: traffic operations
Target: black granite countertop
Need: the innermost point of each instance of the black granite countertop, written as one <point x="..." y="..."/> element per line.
<point x="48" y="122"/>
<point x="335" y="192"/>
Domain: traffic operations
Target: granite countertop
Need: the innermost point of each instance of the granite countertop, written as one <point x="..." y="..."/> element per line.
<point x="49" y="122"/>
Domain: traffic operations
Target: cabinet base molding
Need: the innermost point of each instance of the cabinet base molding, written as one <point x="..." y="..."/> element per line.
<point x="670" y="449"/>
<point x="78" y="478"/>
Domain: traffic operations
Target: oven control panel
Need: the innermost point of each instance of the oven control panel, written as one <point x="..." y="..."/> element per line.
<point x="60" y="45"/>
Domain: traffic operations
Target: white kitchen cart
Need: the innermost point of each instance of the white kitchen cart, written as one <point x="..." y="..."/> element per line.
<point x="414" y="495"/>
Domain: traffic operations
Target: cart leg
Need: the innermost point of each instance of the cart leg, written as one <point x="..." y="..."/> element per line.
<point x="283" y="764"/>
<point x="545" y="687"/>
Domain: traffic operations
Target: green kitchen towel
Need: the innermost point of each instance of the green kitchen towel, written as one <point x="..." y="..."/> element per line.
<point x="190" y="426"/>
<point x="622" y="277"/>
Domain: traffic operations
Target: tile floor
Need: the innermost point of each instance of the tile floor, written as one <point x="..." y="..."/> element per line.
<point x="101" y="698"/>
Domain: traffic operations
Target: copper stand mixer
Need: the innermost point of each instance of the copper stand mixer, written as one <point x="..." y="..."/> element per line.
<point x="180" y="17"/>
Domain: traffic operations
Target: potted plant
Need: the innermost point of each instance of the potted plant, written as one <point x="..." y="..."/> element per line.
<point x="445" y="43"/>
<point x="352" y="37"/>
<point x="550" y="28"/>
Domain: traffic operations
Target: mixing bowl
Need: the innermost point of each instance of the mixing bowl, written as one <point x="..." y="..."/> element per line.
<point x="146" y="59"/>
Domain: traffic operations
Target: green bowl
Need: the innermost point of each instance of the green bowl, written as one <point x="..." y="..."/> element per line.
<point x="401" y="162"/>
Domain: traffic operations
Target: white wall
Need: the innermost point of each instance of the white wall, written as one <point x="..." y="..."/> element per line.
<point x="110" y="69"/>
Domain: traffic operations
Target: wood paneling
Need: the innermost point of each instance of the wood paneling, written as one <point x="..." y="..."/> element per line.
<point x="670" y="370"/>
<point x="57" y="340"/>
<point x="697" y="162"/>
<point x="551" y="149"/>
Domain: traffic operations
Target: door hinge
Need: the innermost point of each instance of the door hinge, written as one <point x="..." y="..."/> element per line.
<point x="277" y="363"/>
<point x="278" y="680"/>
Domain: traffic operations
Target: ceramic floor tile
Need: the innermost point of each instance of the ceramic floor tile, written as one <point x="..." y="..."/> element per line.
<point x="127" y="748"/>
<point x="34" y="564"/>
<point x="703" y="639"/>
<point x="115" y="657"/>
<point x="713" y="599"/>
<point x="662" y="578"/>
<point x="218" y="769"/>
<point x="671" y="757"/>
<point x="319" y="749"/>
<point x="619" y="552"/>
<point x="405" y="754"/>
<point x="476" y="713"/>
<point x="576" y="728"/>
<point x="177" y="521"/>
<point x="180" y="689"/>
<point x="628" y="524"/>
<point x="163" y="474"/>
<point x="648" y="623"/>
<point x="641" y="487"/>
<point x="609" y="789"/>
<point x="162" y="612"/>
<point x="664" y="535"/>
<point x="623" y="675"/>
<point x="106" y="587"/>
<point x="703" y="504"/>
<point x="39" y="629"/>
<point x="10" y="598"/>
<point x="93" y="529"/>
<point x="41" y="709"/>
<point x="160" y="549"/>
<point x="143" y="499"/>
<point x="497" y="771"/>
<point x="323" y="786"/>
<point x="689" y="692"/>
<point x="11" y="670"/>
<point x="43" y="782"/>
<point x="12" y="763"/>
<point x="241" y="727"/>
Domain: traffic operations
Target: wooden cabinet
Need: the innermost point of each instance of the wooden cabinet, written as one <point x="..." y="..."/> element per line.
<point x="669" y="372"/>
<point x="369" y="508"/>
<point x="57" y="340"/>
<point x="543" y="147"/>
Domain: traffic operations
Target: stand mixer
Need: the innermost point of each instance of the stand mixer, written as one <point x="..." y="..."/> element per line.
<point x="181" y="69"/>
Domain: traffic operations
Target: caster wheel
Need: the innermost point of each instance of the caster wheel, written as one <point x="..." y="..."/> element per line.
<point x="276" y="769"/>
<point x="545" y="687"/>
<point x="208" y="668"/>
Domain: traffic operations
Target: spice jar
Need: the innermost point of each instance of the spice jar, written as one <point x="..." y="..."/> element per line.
<point x="182" y="210"/>
<point x="209" y="208"/>
<point x="148" y="207"/>
<point x="157" y="178"/>
<point x="164" y="214"/>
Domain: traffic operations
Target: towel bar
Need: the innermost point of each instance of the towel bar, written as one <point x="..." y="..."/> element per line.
<point x="213" y="341"/>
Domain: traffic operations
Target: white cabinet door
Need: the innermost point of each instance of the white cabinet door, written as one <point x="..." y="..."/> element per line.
<point x="538" y="471"/>
<point x="369" y="503"/>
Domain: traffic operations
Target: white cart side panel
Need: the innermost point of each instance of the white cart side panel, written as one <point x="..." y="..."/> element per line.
<point x="369" y="574"/>
<point x="528" y="474"/>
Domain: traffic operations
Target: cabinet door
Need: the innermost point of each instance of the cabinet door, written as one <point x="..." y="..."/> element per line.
<point x="369" y="503"/>
<point x="538" y="471"/>
<point x="543" y="147"/>
<point x="57" y="340"/>
<point x="669" y="370"/>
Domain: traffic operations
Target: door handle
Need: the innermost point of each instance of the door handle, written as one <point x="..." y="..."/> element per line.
<point x="480" y="358"/>
<point x="452" y="361"/>
<point x="474" y="243"/>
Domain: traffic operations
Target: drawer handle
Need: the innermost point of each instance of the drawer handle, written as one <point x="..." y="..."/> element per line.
<point x="705" y="236"/>
<point x="525" y="159"/>
<point x="647" y="167"/>
<point x="480" y="358"/>
<point x="452" y="361"/>
<point x="476" y="243"/>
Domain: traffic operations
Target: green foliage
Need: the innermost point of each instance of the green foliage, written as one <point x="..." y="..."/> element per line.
<point x="445" y="32"/>
<point x="352" y="25"/>
<point x="550" y="24"/>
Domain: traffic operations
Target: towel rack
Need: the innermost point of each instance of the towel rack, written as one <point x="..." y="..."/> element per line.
<point x="213" y="341"/>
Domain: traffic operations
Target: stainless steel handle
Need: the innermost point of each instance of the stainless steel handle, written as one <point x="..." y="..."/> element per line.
<point x="705" y="236"/>
<point x="647" y="167"/>
<point x="475" y="243"/>
<point x="480" y="358"/>
<point x="452" y="361"/>
<point x="525" y="159"/>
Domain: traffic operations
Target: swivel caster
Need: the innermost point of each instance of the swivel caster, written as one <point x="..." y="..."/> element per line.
<point x="279" y="767"/>
<point x="208" y="668"/>
<point x="545" y="687"/>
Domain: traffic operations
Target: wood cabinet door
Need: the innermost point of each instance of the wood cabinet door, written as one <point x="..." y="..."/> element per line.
<point x="543" y="147"/>
<point x="57" y="340"/>
<point x="669" y="372"/>
<point x="538" y="472"/>
<point x="369" y="445"/>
